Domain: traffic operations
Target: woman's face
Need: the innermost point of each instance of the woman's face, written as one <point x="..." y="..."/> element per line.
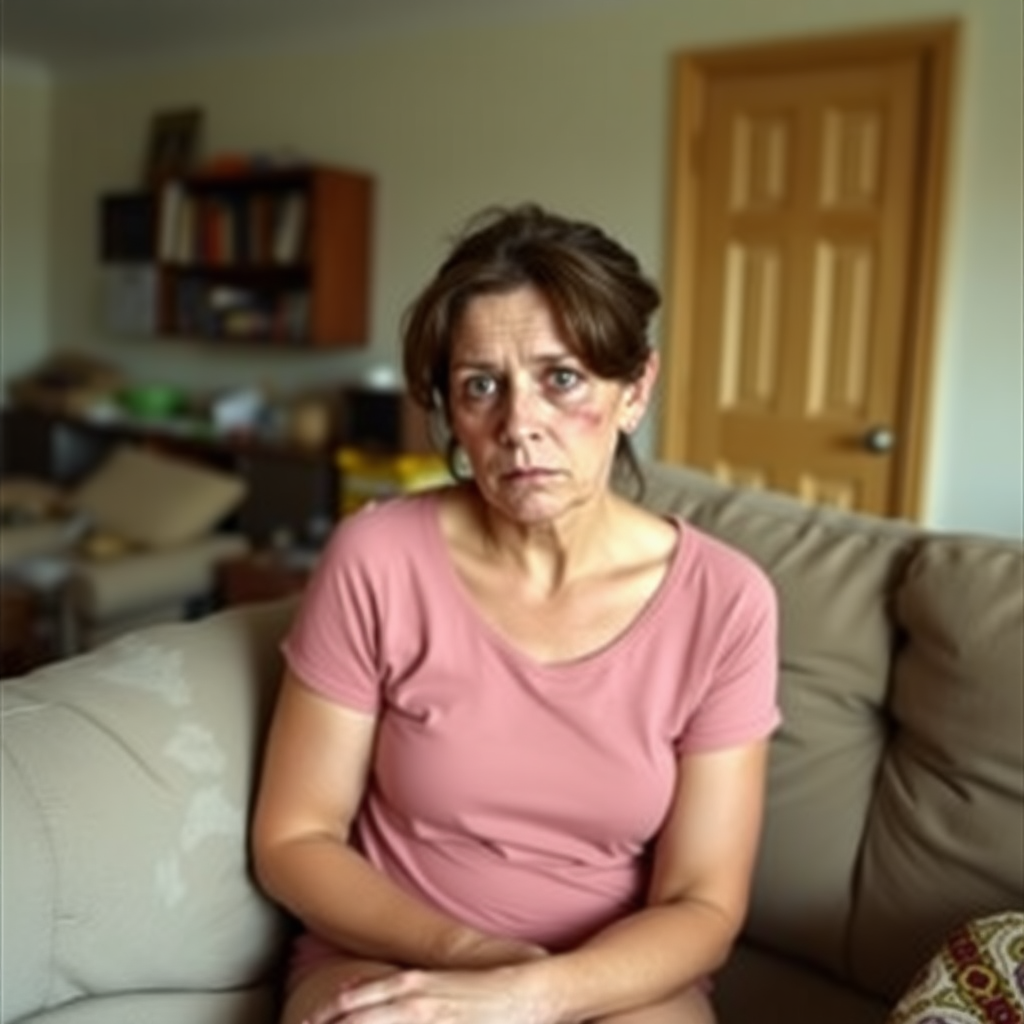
<point x="538" y="428"/>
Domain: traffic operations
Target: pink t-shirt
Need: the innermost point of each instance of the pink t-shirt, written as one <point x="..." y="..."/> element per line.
<point x="516" y="796"/>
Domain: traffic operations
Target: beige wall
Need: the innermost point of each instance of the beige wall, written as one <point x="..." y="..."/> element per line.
<point x="24" y="215"/>
<point x="572" y="111"/>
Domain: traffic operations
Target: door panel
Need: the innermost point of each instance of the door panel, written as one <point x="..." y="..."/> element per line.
<point x="806" y="196"/>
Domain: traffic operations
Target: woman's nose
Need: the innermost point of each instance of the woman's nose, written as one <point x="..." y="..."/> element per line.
<point x="521" y="413"/>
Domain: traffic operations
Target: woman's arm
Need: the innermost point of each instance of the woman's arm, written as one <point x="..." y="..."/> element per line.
<point x="697" y="901"/>
<point x="316" y="766"/>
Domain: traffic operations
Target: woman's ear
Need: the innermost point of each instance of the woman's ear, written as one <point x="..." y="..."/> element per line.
<point x="638" y="394"/>
<point x="650" y="376"/>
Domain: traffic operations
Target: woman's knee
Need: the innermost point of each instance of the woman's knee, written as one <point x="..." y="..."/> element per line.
<point x="690" y="1007"/>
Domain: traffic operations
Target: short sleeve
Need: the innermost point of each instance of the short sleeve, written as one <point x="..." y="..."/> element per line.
<point x="740" y="704"/>
<point x="332" y="644"/>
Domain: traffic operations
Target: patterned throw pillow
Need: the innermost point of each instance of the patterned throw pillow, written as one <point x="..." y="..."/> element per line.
<point x="977" y="977"/>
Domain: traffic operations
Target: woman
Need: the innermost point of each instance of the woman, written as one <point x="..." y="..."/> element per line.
<point x="515" y="775"/>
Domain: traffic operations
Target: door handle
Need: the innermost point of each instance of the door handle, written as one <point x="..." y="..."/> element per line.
<point x="879" y="440"/>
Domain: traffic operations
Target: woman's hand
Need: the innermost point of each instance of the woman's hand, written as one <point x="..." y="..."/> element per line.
<point x="500" y="996"/>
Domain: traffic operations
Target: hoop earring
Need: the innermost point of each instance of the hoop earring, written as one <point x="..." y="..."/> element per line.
<point x="458" y="463"/>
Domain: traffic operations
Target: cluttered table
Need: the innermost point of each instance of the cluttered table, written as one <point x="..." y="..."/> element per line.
<point x="62" y="421"/>
<point x="289" y="486"/>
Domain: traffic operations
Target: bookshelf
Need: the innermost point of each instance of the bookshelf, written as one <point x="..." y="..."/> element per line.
<point x="278" y="258"/>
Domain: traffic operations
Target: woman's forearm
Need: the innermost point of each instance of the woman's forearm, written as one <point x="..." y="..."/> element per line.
<point x="641" y="959"/>
<point x="339" y="895"/>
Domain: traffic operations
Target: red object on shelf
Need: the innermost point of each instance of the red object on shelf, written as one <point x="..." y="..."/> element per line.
<point x="227" y="165"/>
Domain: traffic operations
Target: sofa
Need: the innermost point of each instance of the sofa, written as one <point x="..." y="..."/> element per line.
<point x="895" y="797"/>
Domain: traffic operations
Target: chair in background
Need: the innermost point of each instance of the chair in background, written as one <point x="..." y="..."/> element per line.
<point x="137" y="542"/>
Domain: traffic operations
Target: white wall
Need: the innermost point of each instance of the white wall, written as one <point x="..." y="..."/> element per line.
<point x="25" y="93"/>
<point x="572" y="111"/>
<point x="977" y="478"/>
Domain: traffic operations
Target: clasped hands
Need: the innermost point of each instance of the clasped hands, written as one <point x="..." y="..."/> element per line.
<point x="501" y="992"/>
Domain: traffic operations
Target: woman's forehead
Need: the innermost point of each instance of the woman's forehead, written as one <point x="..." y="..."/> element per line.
<point x="522" y="321"/>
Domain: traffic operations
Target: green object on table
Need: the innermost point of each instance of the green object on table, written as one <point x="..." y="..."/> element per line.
<point x="152" y="401"/>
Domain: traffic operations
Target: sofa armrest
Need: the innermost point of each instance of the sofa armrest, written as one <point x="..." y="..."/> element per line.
<point x="126" y="784"/>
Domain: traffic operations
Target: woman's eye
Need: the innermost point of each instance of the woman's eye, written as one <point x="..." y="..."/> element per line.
<point x="479" y="386"/>
<point x="563" y="378"/>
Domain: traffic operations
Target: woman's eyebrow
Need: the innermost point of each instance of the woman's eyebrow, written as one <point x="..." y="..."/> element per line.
<point x="564" y="356"/>
<point x="473" y="363"/>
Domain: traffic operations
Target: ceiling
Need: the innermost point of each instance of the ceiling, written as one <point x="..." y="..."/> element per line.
<point x="73" y="34"/>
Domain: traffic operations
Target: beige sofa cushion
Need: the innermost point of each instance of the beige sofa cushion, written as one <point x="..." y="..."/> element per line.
<point x="127" y="780"/>
<point x="758" y="987"/>
<point x="944" y="840"/>
<point x="832" y="574"/>
<point x="156" y="500"/>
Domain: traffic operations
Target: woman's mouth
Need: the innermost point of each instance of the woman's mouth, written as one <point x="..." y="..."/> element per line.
<point x="526" y="474"/>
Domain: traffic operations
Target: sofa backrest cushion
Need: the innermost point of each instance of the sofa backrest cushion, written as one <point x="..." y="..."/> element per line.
<point x="128" y="776"/>
<point x="831" y="572"/>
<point x="896" y="789"/>
<point x="945" y="839"/>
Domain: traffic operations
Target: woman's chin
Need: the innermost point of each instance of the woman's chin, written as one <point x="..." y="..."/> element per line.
<point x="531" y="508"/>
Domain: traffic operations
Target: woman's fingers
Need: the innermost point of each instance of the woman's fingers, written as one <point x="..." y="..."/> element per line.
<point x="335" y="1009"/>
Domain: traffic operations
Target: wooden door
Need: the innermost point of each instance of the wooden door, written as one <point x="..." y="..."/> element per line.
<point x="799" y="362"/>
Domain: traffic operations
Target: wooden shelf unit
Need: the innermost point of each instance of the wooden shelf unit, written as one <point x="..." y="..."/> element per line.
<point x="277" y="258"/>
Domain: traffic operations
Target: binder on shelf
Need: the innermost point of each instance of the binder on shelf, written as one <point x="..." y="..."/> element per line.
<point x="129" y="294"/>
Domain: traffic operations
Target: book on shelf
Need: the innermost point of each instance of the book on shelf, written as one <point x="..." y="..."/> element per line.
<point x="215" y="238"/>
<point x="261" y="228"/>
<point x="231" y="229"/>
<point x="172" y="201"/>
<point x="187" y="230"/>
<point x="290" y="228"/>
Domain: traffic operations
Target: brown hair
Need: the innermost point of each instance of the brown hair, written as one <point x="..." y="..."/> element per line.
<point x="595" y="286"/>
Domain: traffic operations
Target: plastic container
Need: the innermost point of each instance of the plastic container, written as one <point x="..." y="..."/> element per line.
<point x="369" y="476"/>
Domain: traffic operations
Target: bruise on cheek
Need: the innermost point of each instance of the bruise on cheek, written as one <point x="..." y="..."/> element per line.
<point x="589" y="417"/>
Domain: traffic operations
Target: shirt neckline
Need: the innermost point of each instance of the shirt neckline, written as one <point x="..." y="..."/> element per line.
<point x="631" y="634"/>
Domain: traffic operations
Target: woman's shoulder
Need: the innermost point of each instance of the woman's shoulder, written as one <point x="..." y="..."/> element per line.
<point x="723" y="563"/>
<point x="392" y="512"/>
<point x="385" y="529"/>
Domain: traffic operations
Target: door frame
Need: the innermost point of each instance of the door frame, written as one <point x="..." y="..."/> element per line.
<point x="935" y="45"/>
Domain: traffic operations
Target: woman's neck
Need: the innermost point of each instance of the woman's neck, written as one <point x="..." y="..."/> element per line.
<point x="554" y="553"/>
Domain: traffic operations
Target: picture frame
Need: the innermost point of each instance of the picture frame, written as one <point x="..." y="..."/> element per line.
<point x="173" y="144"/>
